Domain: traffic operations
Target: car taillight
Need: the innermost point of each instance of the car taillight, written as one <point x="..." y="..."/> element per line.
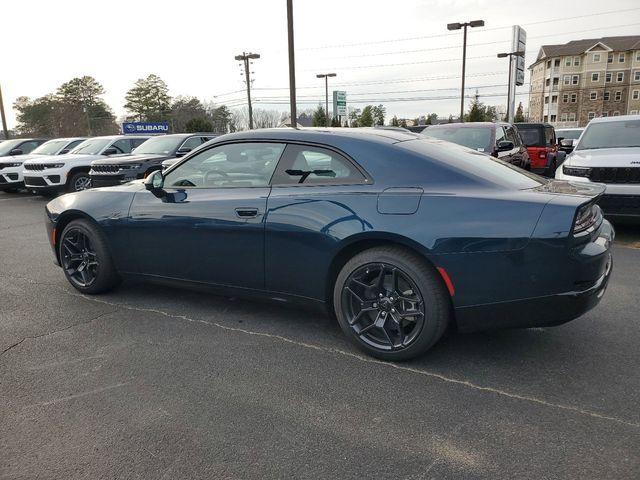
<point x="588" y="218"/>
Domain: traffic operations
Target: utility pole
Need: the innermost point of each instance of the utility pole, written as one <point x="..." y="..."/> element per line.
<point x="4" y="119"/>
<point x="458" y="26"/>
<point x="326" y="94"/>
<point x="292" y="65"/>
<point x="511" y="88"/>
<point x="246" y="58"/>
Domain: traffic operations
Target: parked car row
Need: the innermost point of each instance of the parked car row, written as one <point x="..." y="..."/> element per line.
<point x="74" y="164"/>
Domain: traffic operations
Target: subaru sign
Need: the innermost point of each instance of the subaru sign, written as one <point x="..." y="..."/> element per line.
<point x="145" y="127"/>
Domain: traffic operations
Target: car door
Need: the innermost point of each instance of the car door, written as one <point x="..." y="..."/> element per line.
<point x="316" y="192"/>
<point x="517" y="154"/>
<point x="208" y="226"/>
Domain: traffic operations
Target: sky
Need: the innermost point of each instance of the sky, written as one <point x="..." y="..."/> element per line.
<point x="399" y="54"/>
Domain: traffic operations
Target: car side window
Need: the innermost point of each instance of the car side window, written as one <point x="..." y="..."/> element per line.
<point x="549" y="137"/>
<point x="192" y="143"/>
<point x="136" y="142"/>
<point x="512" y="136"/>
<point x="26" y="147"/>
<point x="316" y="165"/>
<point x="122" y="146"/>
<point x="73" y="145"/>
<point x="228" y="166"/>
<point x="499" y="135"/>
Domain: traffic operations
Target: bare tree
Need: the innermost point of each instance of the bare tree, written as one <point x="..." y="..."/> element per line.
<point x="266" y="118"/>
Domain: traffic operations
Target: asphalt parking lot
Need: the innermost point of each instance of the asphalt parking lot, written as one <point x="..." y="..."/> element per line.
<point x="151" y="382"/>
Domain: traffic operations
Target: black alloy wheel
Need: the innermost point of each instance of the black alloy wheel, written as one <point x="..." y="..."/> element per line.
<point x="383" y="306"/>
<point x="79" y="258"/>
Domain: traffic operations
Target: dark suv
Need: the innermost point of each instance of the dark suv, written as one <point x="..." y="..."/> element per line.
<point x="500" y="139"/>
<point x="144" y="159"/>
<point x="540" y="139"/>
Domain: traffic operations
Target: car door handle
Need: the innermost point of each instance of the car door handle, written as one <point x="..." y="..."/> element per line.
<point x="247" y="212"/>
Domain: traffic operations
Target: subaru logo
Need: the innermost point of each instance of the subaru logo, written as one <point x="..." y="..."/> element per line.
<point x="129" y="127"/>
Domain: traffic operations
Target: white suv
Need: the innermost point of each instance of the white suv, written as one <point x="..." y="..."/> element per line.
<point x="11" y="167"/>
<point x="609" y="152"/>
<point x="71" y="172"/>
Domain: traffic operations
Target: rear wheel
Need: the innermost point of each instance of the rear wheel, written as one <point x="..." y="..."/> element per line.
<point x="391" y="303"/>
<point x="85" y="258"/>
<point x="79" y="181"/>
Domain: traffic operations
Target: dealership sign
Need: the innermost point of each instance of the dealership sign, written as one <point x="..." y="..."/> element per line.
<point x="145" y="127"/>
<point x="339" y="103"/>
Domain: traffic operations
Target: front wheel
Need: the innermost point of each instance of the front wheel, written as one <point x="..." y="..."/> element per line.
<point x="85" y="258"/>
<point x="391" y="303"/>
<point x="79" y="181"/>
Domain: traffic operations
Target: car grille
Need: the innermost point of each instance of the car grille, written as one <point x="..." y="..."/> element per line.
<point x="620" y="204"/>
<point x="105" y="182"/>
<point x="615" y="175"/>
<point x="34" y="166"/>
<point x="105" y="168"/>
<point x="35" y="181"/>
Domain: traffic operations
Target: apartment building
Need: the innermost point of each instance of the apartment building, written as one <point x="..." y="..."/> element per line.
<point x="583" y="79"/>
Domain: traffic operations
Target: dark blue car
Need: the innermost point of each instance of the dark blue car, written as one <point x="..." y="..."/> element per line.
<point x="401" y="237"/>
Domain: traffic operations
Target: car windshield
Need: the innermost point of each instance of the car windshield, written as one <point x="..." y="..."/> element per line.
<point x="159" y="145"/>
<point x="569" y="134"/>
<point x="50" y="148"/>
<point x="531" y="136"/>
<point x="616" y="134"/>
<point x="478" y="164"/>
<point x="478" y="138"/>
<point x="8" y="145"/>
<point x="91" y="147"/>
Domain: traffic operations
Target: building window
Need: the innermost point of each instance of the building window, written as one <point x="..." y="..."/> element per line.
<point x="636" y="76"/>
<point x="638" y="56"/>
<point x="563" y="117"/>
<point x="607" y="77"/>
<point x="556" y="62"/>
<point x="565" y="98"/>
<point x="633" y="112"/>
<point x="567" y="62"/>
<point x="591" y="115"/>
<point x="575" y="79"/>
<point x="553" y="118"/>
<point x="566" y="79"/>
<point x="607" y="96"/>
<point x="546" y="100"/>
<point x="605" y="114"/>
<point x="596" y="57"/>
<point x="593" y="96"/>
<point x="554" y="99"/>
<point x="548" y="63"/>
<point x="618" y="96"/>
<point x="556" y="80"/>
<point x="576" y="61"/>
<point x="620" y="77"/>
<point x="616" y="113"/>
<point x="595" y="77"/>
<point x="547" y="82"/>
<point x="636" y="94"/>
<point x="572" y="117"/>
<point x="621" y="58"/>
<point x="610" y="58"/>
<point x="546" y="118"/>
<point x="574" y="97"/>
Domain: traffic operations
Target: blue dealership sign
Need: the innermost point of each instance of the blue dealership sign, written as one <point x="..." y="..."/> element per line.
<point x="145" y="127"/>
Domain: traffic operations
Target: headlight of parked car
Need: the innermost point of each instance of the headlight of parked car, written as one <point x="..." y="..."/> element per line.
<point x="131" y="167"/>
<point x="576" y="171"/>
<point x="55" y="165"/>
<point x="14" y="164"/>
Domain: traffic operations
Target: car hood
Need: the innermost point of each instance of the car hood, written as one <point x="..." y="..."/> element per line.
<point x="61" y="158"/>
<point x="19" y="158"/>
<point x="605" y="157"/>
<point x="129" y="159"/>
<point x="563" y="187"/>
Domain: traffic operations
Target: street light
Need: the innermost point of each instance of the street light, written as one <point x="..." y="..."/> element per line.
<point x="246" y="57"/>
<point x="326" y="93"/>
<point x="510" y="107"/>
<point x="458" y="26"/>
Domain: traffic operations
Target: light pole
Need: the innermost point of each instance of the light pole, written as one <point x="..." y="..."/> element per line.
<point x="292" y="65"/>
<point x="246" y="57"/>
<point x="458" y="26"/>
<point x="511" y="87"/>
<point x="4" y="119"/>
<point x="326" y="93"/>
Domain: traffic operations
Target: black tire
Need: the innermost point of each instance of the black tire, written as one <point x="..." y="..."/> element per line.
<point x="552" y="169"/>
<point x="78" y="182"/>
<point x="105" y="274"/>
<point x="436" y="303"/>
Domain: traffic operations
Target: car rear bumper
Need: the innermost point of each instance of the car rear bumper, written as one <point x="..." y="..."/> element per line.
<point x="548" y="310"/>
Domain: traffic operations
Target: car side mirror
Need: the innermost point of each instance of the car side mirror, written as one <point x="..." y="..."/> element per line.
<point x="182" y="151"/>
<point x="16" y="151"/>
<point x="505" y="145"/>
<point x="110" y="151"/>
<point x="560" y="139"/>
<point x="155" y="183"/>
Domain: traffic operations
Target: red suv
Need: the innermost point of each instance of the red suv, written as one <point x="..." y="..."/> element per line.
<point x="540" y="139"/>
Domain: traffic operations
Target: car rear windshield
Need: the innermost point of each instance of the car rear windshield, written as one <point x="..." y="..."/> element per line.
<point x="615" y="134"/>
<point x="49" y="148"/>
<point x="478" y="138"/>
<point x="532" y="136"/>
<point x="569" y="134"/>
<point x="477" y="164"/>
<point x="91" y="147"/>
<point x="159" y="145"/>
